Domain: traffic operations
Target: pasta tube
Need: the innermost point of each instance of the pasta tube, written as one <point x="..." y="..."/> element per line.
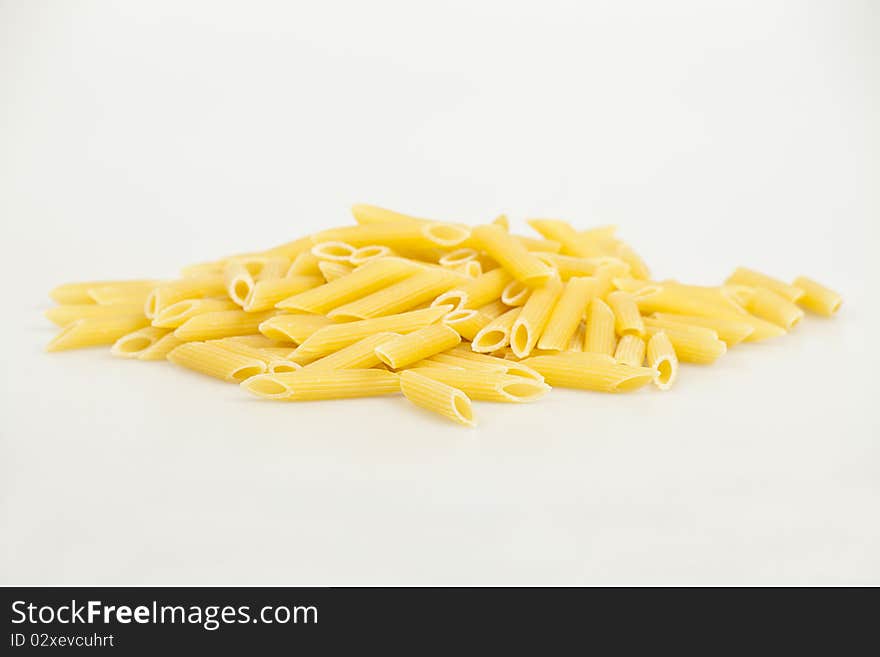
<point x="511" y="255"/>
<point x="193" y="287"/>
<point x="371" y="252"/>
<point x="515" y="293"/>
<point x="330" y="270"/>
<point x="567" y="313"/>
<point x="436" y="396"/>
<point x="177" y="313"/>
<point x="132" y="345"/>
<point x="730" y="331"/>
<point x="533" y="318"/>
<point x="637" y="266"/>
<point x="239" y="282"/>
<point x="214" y="360"/>
<point x="160" y="349"/>
<point x="774" y="308"/>
<point x="578" y="339"/>
<point x="627" y="318"/>
<point x="116" y="294"/>
<point x="405" y="350"/>
<point x="78" y="293"/>
<point x="692" y="344"/>
<point x="662" y="359"/>
<point x="589" y="371"/>
<point x="337" y="336"/>
<point x="69" y="313"/>
<point x="220" y="324"/>
<point x="467" y="323"/>
<point x="94" y="331"/>
<point x="496" y="334"/>
<point x="398" y="234"/>
<point x="399" y="297"/>
<point x="573" y="266"/>
<point x="571" y="241"/>
<point x="600" y="328"/>
<point x="514" y="368"/>
<point x="293" y="328"/>
<point x="752" y="278"/>
<point x="333" y="251"/>
<point x="360" y="355"/>
<point x="458" y="257"/>
<point x="306" y="385"/>
<point x="487" y="385"/>
<point x="266" y="293"/>
<point x="630" y="350"/>
<point x="817" y="298"/>
<point x="305" y="264"/>
<point x="477" y="292"/>
<point x="365" y="280"/>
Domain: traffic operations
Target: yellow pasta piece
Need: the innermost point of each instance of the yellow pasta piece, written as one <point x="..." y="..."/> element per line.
<point x="337" y="336"/>
<point x="561" y="231"/>
<point x="305" y="264"/>
<point x="239" y="281"/>
<point x="330" y="270"/>
<point x="360" y="355"/>
<point x="817" y="298"/>
<point x="630" y="350"/>
<point x="94" y="331"/>
<point x="486" y="385"/>
<point x="627" y="318"/>
<point x="537" y="245"/>
<point x="752" y="278"/>
<point x="194" y="287"/>
<point x="453" y="360"/>
<point x="458" y="257"/>
<point x="260" y="341"/>
<point x="370" y="277"/>
<point x="78" y="293"/>
<point x="578" y="339"/>
<point x="293" y="328"/>
<point x="306" y="385"/>
<point x="404" y="295"/>
<point x="116" y="294"/>
<point x="774" y="308"/>
<point x="693" y="344"/>
<point x="69" y="313"/>
<point x="220" y="324"/>
<point x="204" y="268"/>
<point x="589" y="371"/>
<point x="290" y="250"/>
<point x="600" y="328"/>
<point x="371" y="252"/>
<point x="471" y="269"/>
<point x="515" y="293"/>
<point x="398" y="234"/>
<point x="663" y="359"/>
<point x="134" y="344"/>
<point x="574" y="266"/>
<point x="405" y="350"/>
<point x="533" y="318"/>
<point x="511" y="255"/>
<point x="366" y="214"/>
<point x="502" y="220"/>
<point x="496" y="334"/>
<point x="333" y="251"/>
<point x="177" y="313"/>
<point x="731" y="331"/>
<point x="274" y="362"/>
<point x="438" y="397"/>
<point x="266" y="293"/>
<point x="637" y="266"/>
<point x="273" y="268"/>
<point x="160" y="349"/>
<point x="567" y="314"/>
<point x="214" y="360"/>
<point x="514" y="368"/>
<point x="467" y="323"/>
<point x="477" y="292"/>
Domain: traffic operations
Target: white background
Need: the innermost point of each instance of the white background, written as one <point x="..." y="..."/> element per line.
<point x="139" y="137"/>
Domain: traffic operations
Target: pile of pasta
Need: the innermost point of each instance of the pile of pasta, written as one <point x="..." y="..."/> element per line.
<point x="441" y="312"/>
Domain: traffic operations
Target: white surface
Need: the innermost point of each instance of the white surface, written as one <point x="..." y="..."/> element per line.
<point x="138" y="137"/>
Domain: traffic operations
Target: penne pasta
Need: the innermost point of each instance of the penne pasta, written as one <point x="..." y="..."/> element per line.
<point x="471" y="269"/>
<point x="214" y="360"/>
<point x="637" y="267"/>
<point x="398" y="235"/>
<point x="78" y="293"/>
<point x="573" y="266"/>
<point x="337" y="336"/>
<point x="260" y="341"/>
<point x="515" y="293"/>
<point x="570" y="240"/>
<point x="731" y="331"/>
<point x="405" y="350"/>
<point x="752" y="278"/>
<point x="290" y="250"/>
<point x="69" y="313"/>
<point x="266" y="293"/>
<point x="371" y="252"/>
<point x="578" y="339"/>
<point x="566" y="317"/>
<point x="365" y="214"/>
<point x="134" y="344"/>
<point x="194" y="287"/>
<point x="333" y="251"/>
<point x="692" y="344"/>
<point x="533" y="318"/>
<point x="458" y="257"/>
<point x="239" y="282"/>
<point x="330" y="270"/>
<point x="486" y="385"/>
<point x="536" y="245"/>
<point x="663" y="360"/>
<point x="116" y="294"/>
<point x="436" y="396"/>
<point x="275" y="363"/>
<point x="514" y="368"/>
<point x="627" y="318"/>
<point x="160" y="349"/>
<point x="774" y="308"/>
<point x="502" y="221"/>
<point x="589" y="371"/>
<point x="177" y="313"/>
<point x="94" y="331"/>
<point x="511" y="255"/>
<point x="360" y="355"/>
<point x="477" y="292"/>
<point x="306" y="385"/>
<point x="630" y="350"/>
<point x="467" y="323"/>
<point x="293" y="328"/>
<point x="305" y="264"/>
<point x="496" y="334"/>
<point x="273" y="268"/>
<point x="374" y="275"/>
<point x="817" y="298"/>
<point x="404" y="295"/>
<point x="220" y="324"/>
<point x="600" y="328"/>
